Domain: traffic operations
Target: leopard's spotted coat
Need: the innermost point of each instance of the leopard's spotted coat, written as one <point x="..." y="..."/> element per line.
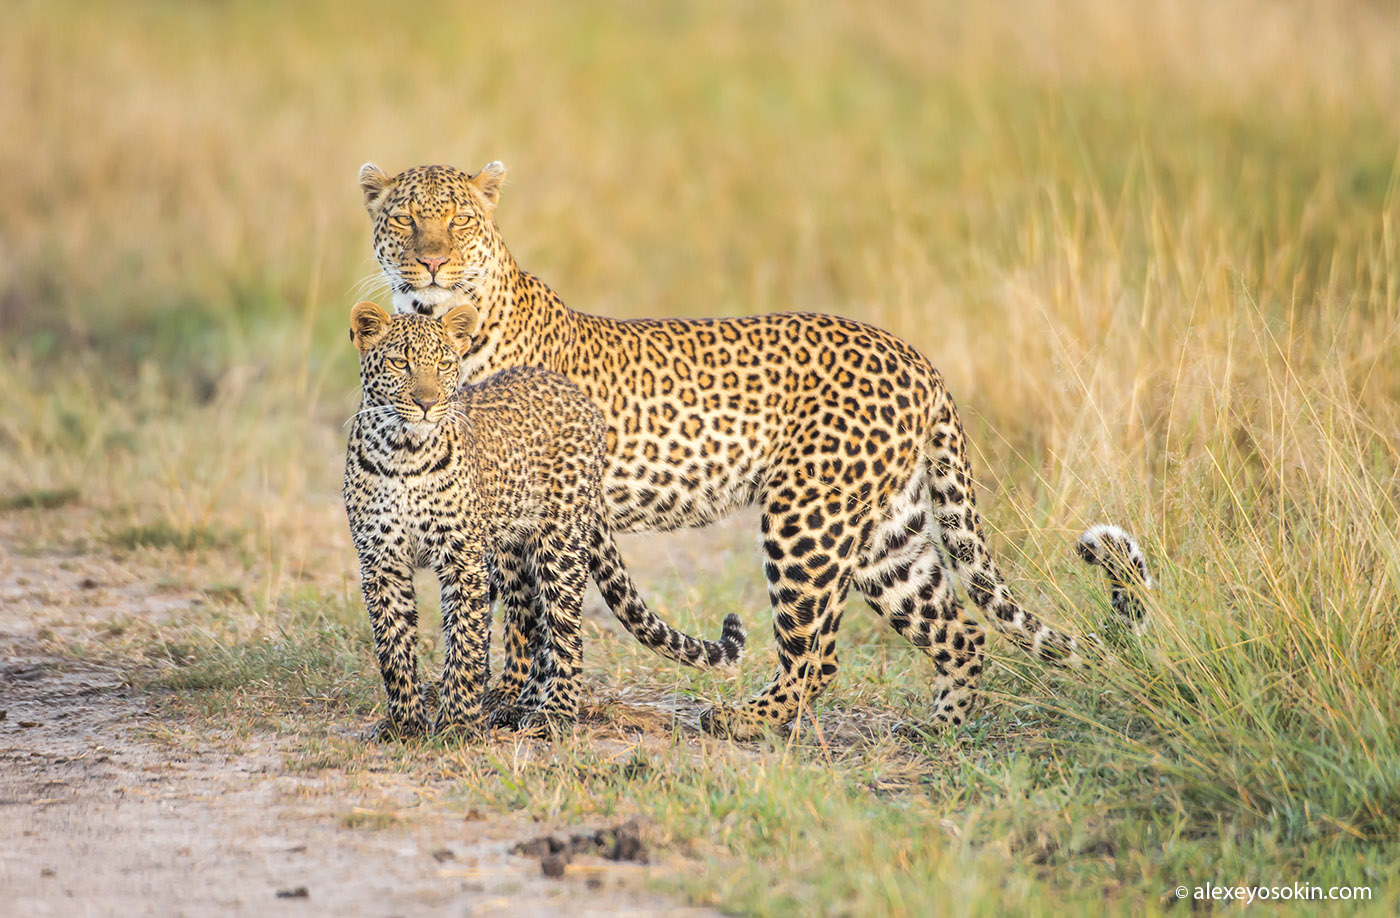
<point x="843" y="434"/>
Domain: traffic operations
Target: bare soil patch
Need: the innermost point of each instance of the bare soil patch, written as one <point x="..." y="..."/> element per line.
<point x="111" y="804"/>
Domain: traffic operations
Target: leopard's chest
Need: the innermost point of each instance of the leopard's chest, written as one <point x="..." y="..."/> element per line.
<point x="411" y="517"/>
<point x="405" y="503"/>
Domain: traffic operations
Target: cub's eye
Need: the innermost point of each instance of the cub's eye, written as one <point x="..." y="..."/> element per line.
<point x="462" y="220"/>
<point x="397" y="363"/>
<point x="402" y="220"/>
<point x="446" y="364"/>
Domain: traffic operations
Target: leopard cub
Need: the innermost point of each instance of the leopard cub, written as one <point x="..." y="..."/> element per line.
<point x="448" y="478"/>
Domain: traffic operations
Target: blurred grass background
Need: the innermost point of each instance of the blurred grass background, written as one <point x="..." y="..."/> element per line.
<point x="1152" y="246"/>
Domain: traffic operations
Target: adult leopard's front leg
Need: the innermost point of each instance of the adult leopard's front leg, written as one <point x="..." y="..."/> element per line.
<point x="529" y="664"/>
<point x="521" y="634"/>
<point x="808" y="576"/>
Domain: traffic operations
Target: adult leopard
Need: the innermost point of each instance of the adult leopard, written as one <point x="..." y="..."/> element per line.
<point x="844" y="435"/>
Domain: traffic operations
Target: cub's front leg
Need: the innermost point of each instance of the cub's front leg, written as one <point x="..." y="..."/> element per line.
<point x="562" y="568"/>
<point x="393" y="616"/>
<point x="466" y="627"/>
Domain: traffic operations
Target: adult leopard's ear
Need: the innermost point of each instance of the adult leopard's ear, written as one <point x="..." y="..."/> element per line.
<point x="460" y="323"/>
<point x="373" y="182"/>
<point x="488" y="182"/>
<point x="368" y="325"/>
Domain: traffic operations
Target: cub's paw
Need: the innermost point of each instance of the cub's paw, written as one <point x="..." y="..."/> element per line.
<point x="508" y="716"/>
<point x="546" y="725"/>
<point x="387" y="731"/>
<point x="496" y="698"/>
<point x="459" y="728"/>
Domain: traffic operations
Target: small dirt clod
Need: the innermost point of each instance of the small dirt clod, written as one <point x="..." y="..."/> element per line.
<point x="619" y="843"/>
<point x="553" y="865"/>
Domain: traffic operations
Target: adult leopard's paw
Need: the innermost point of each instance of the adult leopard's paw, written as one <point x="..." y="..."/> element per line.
<point x="729" y="723"/>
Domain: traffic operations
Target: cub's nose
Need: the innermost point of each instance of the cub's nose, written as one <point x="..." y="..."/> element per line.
<point x="432" y="264"/>
<point x="425" y="403"/>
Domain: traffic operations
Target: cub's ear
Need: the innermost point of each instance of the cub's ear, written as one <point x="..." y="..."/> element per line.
<point x="460" y="322"/>
<point x="368" y="325"/>
<point x="488" y="182"/>
<point x="373" y="182"/>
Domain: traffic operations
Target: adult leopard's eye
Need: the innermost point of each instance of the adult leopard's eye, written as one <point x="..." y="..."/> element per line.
<point x="397" y="363"/>
<point x="446" y="364"/>
<point x="462" y="220"/>
<point x="402" y="219"/>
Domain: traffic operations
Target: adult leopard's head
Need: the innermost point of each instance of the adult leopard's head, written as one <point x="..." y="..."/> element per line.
<point x="410" y="365"/>
<point x="434" y="233"/>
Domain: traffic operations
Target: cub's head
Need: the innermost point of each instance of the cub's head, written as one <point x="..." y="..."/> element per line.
<point x="434" y="235"/>
<point x="410" y="365"/>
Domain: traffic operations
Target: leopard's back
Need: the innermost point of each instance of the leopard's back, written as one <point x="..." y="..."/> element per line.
<point x="702" y="412"/>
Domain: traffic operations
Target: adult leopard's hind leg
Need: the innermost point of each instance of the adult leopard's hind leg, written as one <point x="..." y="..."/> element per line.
<point x="812" y="536"/>
<point x="903" y="577"/>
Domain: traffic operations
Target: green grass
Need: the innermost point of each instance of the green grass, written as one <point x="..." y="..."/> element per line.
<point x="1152" y="247"/>
<point x="163" y="535"/>
<point x="39" y="499"/>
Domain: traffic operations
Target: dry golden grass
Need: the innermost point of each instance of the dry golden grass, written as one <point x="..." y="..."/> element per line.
<point x="1154" y="247"/>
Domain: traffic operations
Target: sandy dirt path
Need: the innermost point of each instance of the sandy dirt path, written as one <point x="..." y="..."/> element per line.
<point x="107" y="807"/>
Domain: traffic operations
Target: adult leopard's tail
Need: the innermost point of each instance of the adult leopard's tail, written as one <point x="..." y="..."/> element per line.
<point x="960" y="528"/>
<point x="620" y="593"/>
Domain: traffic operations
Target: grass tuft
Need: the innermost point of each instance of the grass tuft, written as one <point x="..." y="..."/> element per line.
<point x="163" y="535"/>
<point x="40" y="499"/>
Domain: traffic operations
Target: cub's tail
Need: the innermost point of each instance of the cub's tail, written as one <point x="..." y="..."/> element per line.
<point x="620" y="593"/>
